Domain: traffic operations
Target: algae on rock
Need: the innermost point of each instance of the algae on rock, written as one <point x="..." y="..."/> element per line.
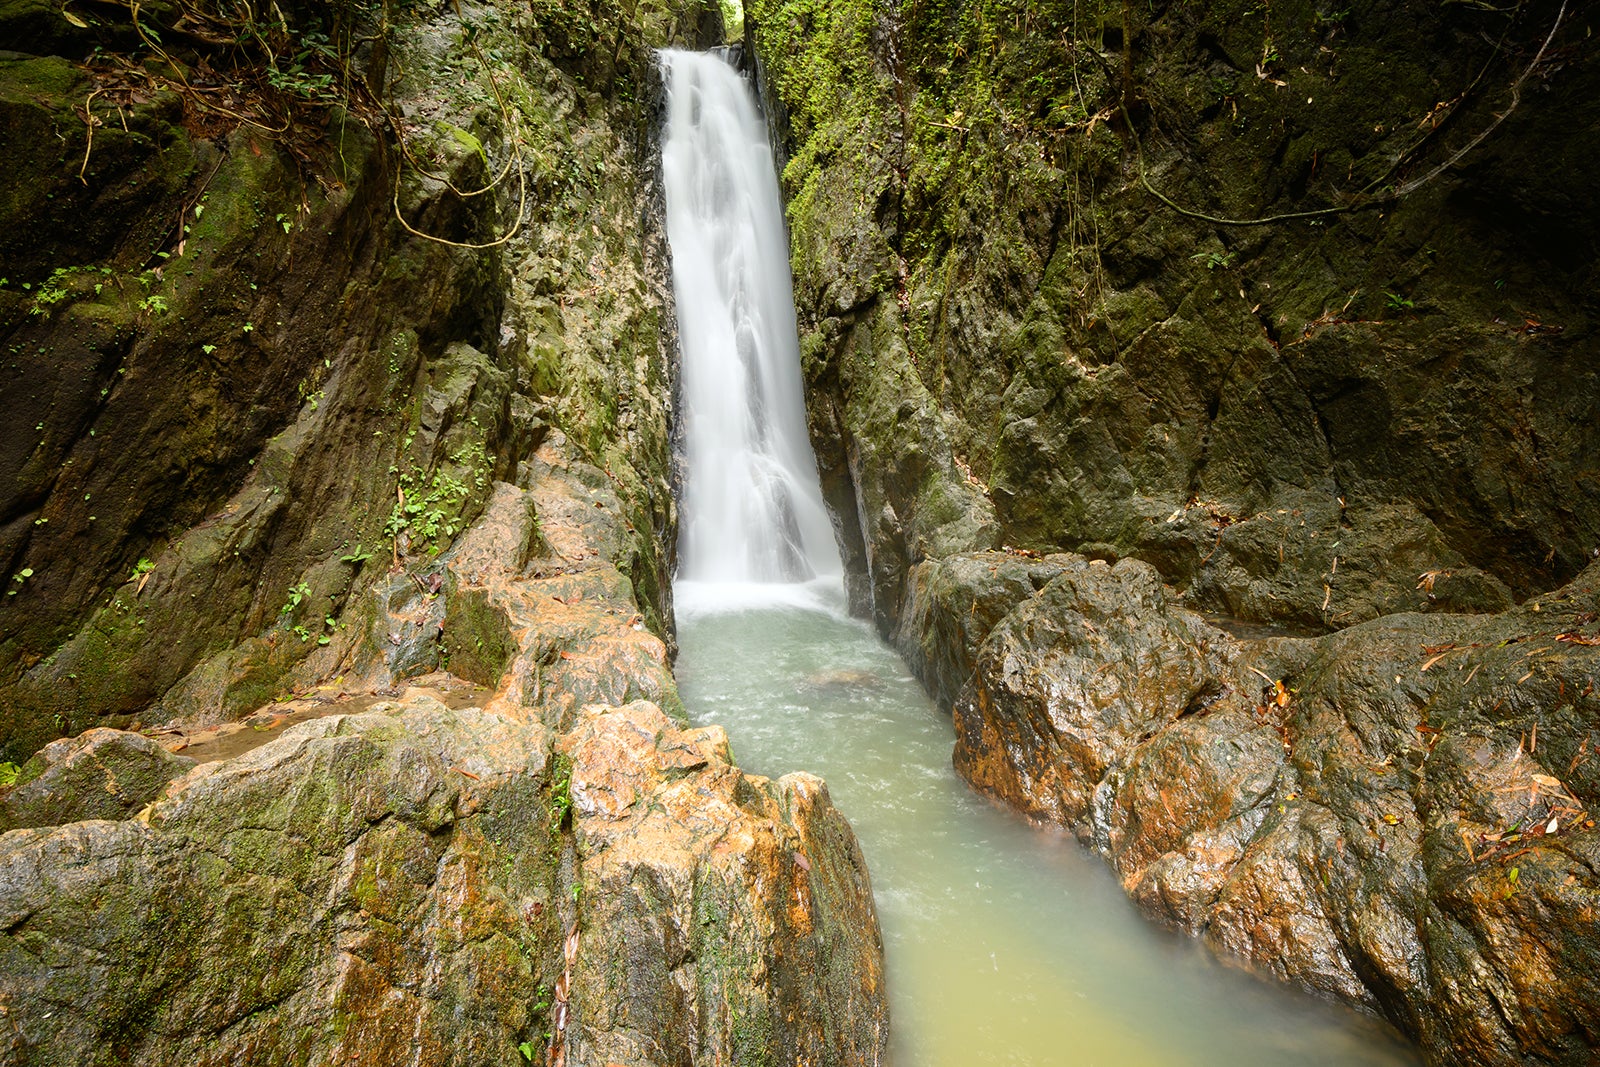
<point x="992" y="301"/>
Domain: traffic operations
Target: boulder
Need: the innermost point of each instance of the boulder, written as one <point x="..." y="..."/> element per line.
<point x="1397" y="814"/>
<point x="100" y="774"/>
<point x="728" y="918"/>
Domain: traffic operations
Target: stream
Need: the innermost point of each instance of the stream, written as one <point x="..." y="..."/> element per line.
<point x="1005" y="944"/>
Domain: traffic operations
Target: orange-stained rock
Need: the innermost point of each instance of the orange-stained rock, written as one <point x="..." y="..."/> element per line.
<point x="727" y="917"/>
<point x="421" y="883"/>
<point x="1397" y="814"/>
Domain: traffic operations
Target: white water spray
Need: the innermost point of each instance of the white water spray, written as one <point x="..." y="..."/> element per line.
<point x="752" y="506"/>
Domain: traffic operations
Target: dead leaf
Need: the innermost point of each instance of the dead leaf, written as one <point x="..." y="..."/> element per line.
<point x="1437" y="658"/>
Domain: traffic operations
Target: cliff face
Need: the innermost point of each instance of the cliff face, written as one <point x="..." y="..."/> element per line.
<point x="242" y="382"/>
<point x="340" y="354"/>
<point x="1027" y="322"/>
<point x="1290" y="308"/>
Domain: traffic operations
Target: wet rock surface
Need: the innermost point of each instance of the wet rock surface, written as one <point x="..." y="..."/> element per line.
<point x="1010" y="338"/>
<point x="1397" y="815"/>
<point x="100" y="774"/>
<point x="727" y="915"/>
<point x="554" y="861"/>
<point x="361" y="888"/>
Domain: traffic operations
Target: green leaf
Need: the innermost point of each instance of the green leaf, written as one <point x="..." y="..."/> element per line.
<point x="466" y="139"/>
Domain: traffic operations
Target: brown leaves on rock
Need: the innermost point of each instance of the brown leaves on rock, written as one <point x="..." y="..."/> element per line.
<point x="560" y="1010"/>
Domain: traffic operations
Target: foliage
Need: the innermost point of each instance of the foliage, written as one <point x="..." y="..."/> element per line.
<point x="21" y="576"/>
<point x="430" y="506"/>
<point x="296" y="595"/>
<point x="560" y="793"/>
<point x="8" y="774"/>
<point x="1213" y="260"/>
<point x="279" y="66"/>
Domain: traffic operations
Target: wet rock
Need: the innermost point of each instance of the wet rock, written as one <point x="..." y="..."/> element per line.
<point x="1398" y="814"/>
<point x="360" y="889"/>
<point x="720" y="909"/>
<point x="1292" y="421"/>
<point x="101" y="774"/>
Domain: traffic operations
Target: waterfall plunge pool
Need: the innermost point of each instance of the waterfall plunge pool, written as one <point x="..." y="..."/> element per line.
<point x="1006" y="944"/>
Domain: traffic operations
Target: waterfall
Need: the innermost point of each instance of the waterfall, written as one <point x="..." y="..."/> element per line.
<point x="752" y="508"/>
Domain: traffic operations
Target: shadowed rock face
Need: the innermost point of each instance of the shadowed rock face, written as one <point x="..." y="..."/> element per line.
<point x="1010" y="340"/>
<point x="1397" y="815"/>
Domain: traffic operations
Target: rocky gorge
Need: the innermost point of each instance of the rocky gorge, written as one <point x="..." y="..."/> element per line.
<point x="1118" y="314"/>
<point x="1225" y="465"/>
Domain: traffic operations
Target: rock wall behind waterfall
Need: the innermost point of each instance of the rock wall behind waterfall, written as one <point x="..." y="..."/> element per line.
<point x="1011" y="341"/>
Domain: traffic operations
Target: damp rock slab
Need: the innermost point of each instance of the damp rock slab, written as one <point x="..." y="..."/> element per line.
<point x="728" y="918"/>
<point x="100" y="774"/>
<point x="362" y="889"/>
<point x="1397" y="815"/>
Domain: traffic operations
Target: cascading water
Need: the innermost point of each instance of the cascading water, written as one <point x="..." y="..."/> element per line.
<point x="1005" y="945"/>
<point x="752" y="509"/>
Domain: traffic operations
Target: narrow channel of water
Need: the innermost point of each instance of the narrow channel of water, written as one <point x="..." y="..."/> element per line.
<point x="1006" y="944"/>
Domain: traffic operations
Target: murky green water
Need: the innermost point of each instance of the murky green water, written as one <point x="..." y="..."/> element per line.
<point x="1006" y="944"/>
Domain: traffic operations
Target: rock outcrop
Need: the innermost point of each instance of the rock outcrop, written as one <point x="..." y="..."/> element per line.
<point x="1398" y="814"/>
<point x="250" y="370"/>
<point x="100" y="774"/>
<point x="564" y="869"/>
<point x="375" y="391"/>
<point x="1029" y="317"/>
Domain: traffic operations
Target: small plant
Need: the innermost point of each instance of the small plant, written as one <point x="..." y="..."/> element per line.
<point x="1396" y="302"/>
<point x="356" y="558"/>
<point x="560" y="793"/>
<point x="140" y="569"/>
<point x="21" y="576"/>
<point x="8" y="774"/>
<point x="155" y="304"/>
<point x="527" y="1050"/>
<point x="1213" y="260"/>
<point x="296" y="595"/>
<point x="429" y="508"/>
